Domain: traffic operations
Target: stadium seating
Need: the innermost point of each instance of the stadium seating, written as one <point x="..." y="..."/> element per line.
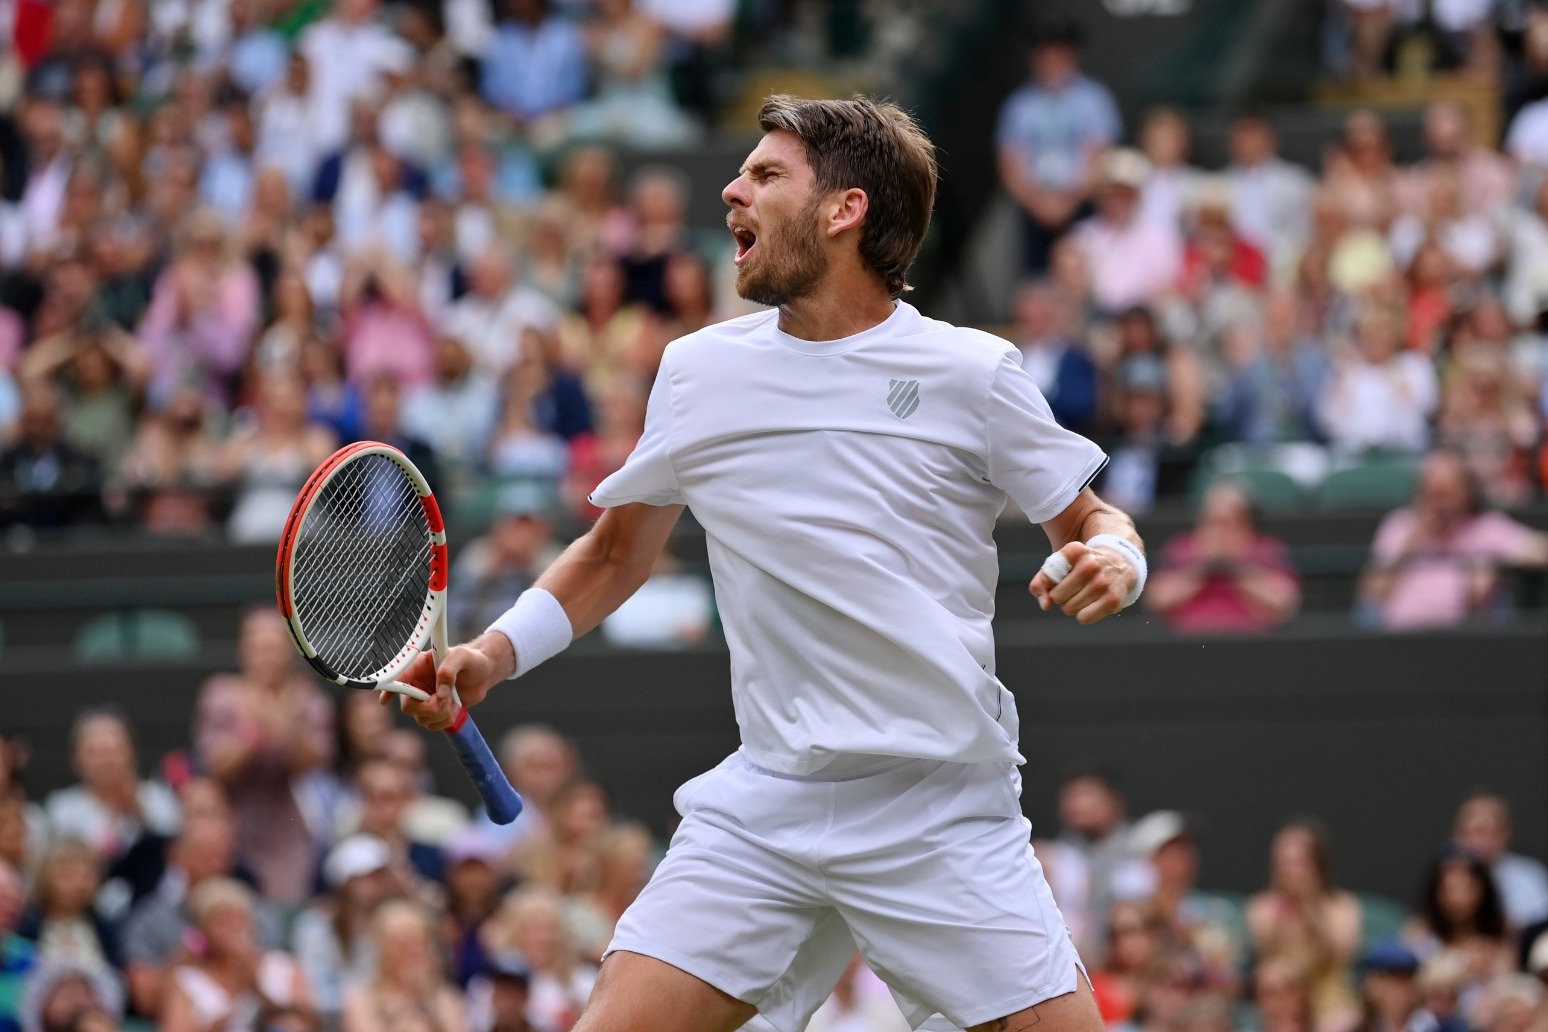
<point x="136" y="634"/>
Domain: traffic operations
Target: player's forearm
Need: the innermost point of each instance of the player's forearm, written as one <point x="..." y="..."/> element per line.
<point x="593" y="578"/>
<point x="1088" y="517"/>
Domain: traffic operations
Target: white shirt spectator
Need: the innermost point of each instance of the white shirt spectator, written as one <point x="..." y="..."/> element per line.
<point x="347" y="63"/>
<point x="492" y="329"/>
<point x="290" y="134"/>
<point x="42" y="202"/>
<point x="455" y="419"/>
<point x="1130" y="264"/>
<point x="670" y="611"/>
<point x="1383" y="406"/>
<point x="1271" y="208"/>
<point x="1523" y="885"/>
<point x="75" y="813"/>
<point x="1525" y="290"/>
<point x="1527" y="140"/>
<point x="693" y="18"/>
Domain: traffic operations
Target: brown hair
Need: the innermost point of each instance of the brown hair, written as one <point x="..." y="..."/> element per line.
<point x="873" y="146"/>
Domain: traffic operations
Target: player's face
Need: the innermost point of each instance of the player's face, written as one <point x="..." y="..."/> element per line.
<point x="779" y="249"/>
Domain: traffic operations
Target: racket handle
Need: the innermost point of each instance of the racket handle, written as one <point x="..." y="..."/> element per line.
<point x="500" y="799"/>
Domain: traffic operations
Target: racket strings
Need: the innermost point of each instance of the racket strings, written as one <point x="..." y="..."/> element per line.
<point x="362" y="567"/>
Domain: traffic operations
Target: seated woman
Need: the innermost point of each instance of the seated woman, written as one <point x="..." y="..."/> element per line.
<point x="231" y="983"/>
<point x="1460" y="912"/>
<point x="410" y="992"/>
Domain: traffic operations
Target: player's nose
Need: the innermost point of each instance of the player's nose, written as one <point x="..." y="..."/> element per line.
<point x="735" y="193"/>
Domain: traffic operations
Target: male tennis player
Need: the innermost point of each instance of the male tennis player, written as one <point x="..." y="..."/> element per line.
<point x="847" y="458"/>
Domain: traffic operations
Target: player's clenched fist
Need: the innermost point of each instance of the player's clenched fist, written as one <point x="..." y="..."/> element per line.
<point x="470" y="669"/>
<point x="1098" y="584"/>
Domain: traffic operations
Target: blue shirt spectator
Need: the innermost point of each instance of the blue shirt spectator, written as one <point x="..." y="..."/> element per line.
<point x="536" y="62"/>
<point x="1272" y="395"/>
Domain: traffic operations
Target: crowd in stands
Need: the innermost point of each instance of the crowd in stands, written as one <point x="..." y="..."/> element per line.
<point x="294" y="868"/>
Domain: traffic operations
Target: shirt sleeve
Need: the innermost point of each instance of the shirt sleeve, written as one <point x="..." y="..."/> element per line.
<point x="1391" y="537"/>
<point x="647" y="475"/>
<point x="1034" y="460"/>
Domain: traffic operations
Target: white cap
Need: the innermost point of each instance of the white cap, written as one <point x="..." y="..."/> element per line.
<point x="1155" y="830"/>
<point x="1124" y="166"/>
<point x="355" y="856"/>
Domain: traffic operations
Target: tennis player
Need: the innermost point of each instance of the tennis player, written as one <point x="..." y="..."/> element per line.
<point x="847" y="458"/>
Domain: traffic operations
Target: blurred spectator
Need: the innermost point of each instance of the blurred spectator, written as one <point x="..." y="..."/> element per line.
<point x="293" y="133"/>
<point x="1094" y="834"/>
<point x="1060" y="368"/>
<point x="1270" y="197"/>
<point x="1459" y="910"/>
<point x="44" y="480"/>
<point x="1206" y="927"/>
<point x="256" y="731"/>
<point x="588" y="190"/>
<point x="622" y="859"/>
<point x="202" y="314"/>
<point x="1225" y="576"/>
<point x="475" y="877"/>
<point x="500" y="997"/>
<point x="62" y="921"/>
<point x="1484" y="176"/>
<point x="1282" y="993"/>
<point x="540" y="762"/>
<point x="530" y="924"/>
<point x="384" y="333"/>
<point x="1173" y="183"/>
<point x="63" y="996"/>
<point x="1525" y="288"/>
<point x="1133" y="946"/>
<point x="373" y="194"/>
<point x="535" y="66"/>
<point x="111" y="808"/>
<point x="1359" y="174"/>
<point x="1048" y="137"/>
<point x="382" y="420"/>
<point x="333" y="936"/>
<point x="1487" y="417"/>
<point x="232" y="981"/>
<point x="1277" y="376"/>
<point x="348" y="53"/>
<point x="1526" y="139"/>
<point x="491" y="317"/>
<point x="160" y="924"/>
<point x="859" y="1003"/>
<point x="409" y="989"/>
<point x="1132" y="260"/>
<point x="1483" y="828"/>
<point x="673" y="609"/>
<point x="521" y="447"/>
<point x="1389" y="991"/>
<point x="386" y="791"/>
<point x="18" y="955"/>
<point x="1380" y="397"/>
<point x="454" y="413"/>
<point x="270" y="458"/>
<point x="100" y="373"/>
<point x="1437" y="563"/>
<point x="595" y="456"/>
<point x="1469" y="239"/>
<point x="563" y="855"/>
<point x="1304" y="918"/>
<point x="602" y="335"/>
<point x="658" y="201"/>
<point x="633" y="102"/>
<point x="492" y="570"/>
<point x="171" y="467"/>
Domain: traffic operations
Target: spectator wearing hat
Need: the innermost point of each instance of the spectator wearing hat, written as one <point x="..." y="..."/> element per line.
<point x="1133" y="261"/>
<point x="1048" y="136"/>
<point x="500" y="997"/>
<point x="332" y="937"/>
<point x="1206" y="926"/>
<point x="1389" y="991"/>
<point x="1436" y="562"/>
<point x="1225" y="575"/>
<point x="65" y="997"/>
<point x="1483" y="828"/>
<point x="476" y="874"/>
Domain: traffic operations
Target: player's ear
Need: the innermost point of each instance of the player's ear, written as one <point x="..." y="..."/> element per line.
<point x="847" y="210"/>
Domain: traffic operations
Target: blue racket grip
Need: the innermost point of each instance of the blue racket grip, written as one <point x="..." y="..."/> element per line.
<point x="500" y="799"/>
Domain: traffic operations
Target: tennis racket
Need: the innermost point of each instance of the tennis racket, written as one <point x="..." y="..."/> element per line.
<point x="361" y="578"/>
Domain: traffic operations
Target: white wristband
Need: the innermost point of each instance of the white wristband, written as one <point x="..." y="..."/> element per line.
<point x="537" y="627"/>
<point x="1126" y="548"/>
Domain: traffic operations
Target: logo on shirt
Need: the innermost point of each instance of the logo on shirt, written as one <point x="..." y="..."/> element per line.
<point x="903" y="397"/>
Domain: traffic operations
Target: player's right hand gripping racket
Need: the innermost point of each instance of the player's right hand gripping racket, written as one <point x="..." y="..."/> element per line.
<point x="361" y="579"/>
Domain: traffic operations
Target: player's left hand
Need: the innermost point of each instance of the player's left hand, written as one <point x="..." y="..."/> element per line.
<point x="1095" y="588"/>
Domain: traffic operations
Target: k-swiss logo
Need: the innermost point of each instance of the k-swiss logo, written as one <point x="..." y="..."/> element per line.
<point x="903" y="397"/>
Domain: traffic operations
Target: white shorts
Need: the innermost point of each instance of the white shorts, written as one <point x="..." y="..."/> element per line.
<point x="772" y="882"/>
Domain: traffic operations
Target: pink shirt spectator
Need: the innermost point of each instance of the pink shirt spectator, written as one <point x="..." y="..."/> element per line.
<point x="382" y="339"/>
<point x="1431" y="574"/>
<point x="204" y="343"/>
<point x="1220" y="605"/>
<point x="1130" y="264"/>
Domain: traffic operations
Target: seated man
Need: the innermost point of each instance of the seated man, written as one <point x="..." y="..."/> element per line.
<point x="1437" y="562"/>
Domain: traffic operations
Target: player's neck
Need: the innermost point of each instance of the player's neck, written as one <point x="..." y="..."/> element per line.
<point x="838" y="308"/>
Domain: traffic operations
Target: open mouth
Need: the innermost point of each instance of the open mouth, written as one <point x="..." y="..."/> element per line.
<point x="746" y="240"/>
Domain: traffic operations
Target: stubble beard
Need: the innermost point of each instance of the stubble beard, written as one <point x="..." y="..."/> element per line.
<point x="789" y="271"/>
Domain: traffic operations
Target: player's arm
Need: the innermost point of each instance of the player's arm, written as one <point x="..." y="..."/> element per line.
<point x="1104" y="573"/>
<point x="592" y="578"/>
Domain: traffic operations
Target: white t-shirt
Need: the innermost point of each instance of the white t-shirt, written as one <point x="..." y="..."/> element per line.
<point x="849" y="491"/>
